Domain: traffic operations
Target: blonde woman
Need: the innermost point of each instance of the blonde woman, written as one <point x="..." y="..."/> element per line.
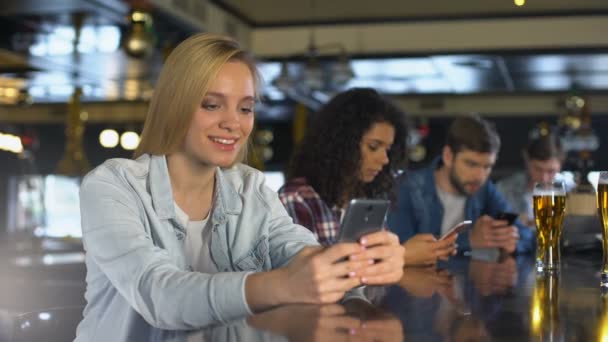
<point x="185" y="236"/>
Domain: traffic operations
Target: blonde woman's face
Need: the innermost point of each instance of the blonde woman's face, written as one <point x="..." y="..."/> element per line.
<point x="223" y="121"/>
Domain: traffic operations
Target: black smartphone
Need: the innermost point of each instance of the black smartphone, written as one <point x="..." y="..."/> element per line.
<point x="362" y="217"/>
<point x="506" y="216"/>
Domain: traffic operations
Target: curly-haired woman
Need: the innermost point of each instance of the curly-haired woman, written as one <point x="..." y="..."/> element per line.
<point x="354" y="147"/>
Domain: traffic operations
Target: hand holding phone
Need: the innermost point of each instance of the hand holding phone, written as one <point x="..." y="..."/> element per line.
<point x="506" y="216"/>
<point x="457" y="229"/>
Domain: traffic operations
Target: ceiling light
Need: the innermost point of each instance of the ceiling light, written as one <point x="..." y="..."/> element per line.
<point x="129" y="140"/>
<point x="140" y="41"/>
<point x="11" y="92"/>
<point x="520" y="2"/>
<point x="11" y="143"/>
<point x="108" y="138"/>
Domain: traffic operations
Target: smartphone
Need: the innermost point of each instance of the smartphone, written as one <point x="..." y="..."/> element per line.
<point x="362" y="217"/>
<point x="506" y="216"/>
<point x="457" y="229"/>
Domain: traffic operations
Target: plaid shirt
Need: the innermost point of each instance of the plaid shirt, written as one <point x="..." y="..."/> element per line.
<point x="307" y="208"/>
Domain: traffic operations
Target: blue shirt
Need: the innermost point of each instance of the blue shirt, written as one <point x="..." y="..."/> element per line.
<point x="419" y="210"/>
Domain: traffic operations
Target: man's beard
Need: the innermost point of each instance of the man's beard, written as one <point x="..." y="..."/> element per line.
<point x="457" y="184"/>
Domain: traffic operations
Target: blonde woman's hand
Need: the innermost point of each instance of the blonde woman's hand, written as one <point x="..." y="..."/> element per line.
<point x="323" y="275"/>
<point x="384" y="258"/>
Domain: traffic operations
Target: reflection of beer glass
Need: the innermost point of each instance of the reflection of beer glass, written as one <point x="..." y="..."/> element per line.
<point x="549" y="209"/>
<point x="544" y="311"/>
<point x="602" y="208"/>
<point x="602" y="331"/>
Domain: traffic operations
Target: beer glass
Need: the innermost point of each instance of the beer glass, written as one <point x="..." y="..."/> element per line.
<point x="602" y="208"/>
<point x="549" y="208"/>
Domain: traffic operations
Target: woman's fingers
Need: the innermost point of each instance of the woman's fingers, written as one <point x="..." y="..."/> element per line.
<point x="340" y="251"/>
<point x="381" y="252"/>
<point x="382" y="267"/>
<point x="383" y="237"/>
<point x="381" y="263"/>
<point x="384" y="278"/>
<point x="348" y="268"/>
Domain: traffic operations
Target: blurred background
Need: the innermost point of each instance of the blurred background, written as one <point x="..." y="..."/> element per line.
<point x="76" y="77"/>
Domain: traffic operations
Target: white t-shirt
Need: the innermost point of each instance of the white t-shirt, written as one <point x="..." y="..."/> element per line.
<point x="453" y="209"/>
<point x="197" y="242"/>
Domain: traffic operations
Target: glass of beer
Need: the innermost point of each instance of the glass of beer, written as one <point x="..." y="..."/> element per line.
<point x="602" y="209"/>
<point x="549" y="208"/>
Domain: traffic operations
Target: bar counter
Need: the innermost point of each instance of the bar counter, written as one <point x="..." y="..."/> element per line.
<point x="476" y="298"/>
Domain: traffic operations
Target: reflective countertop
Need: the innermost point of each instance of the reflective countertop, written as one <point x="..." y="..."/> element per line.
<point x="477" y="298"/>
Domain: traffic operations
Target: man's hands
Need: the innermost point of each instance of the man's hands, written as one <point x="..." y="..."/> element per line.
<point x="490" y="233"/>
<point x="425" y="249"/>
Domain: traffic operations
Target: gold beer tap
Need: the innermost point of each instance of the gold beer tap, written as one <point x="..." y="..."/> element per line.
<point x="74" y="161"/>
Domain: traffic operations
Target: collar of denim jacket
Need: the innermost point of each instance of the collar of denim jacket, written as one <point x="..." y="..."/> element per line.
<point x="226" y="198"/>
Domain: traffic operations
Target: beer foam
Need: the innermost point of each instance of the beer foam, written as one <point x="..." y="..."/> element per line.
<point x="603" y="179"/>
<point x="539" y="192"/>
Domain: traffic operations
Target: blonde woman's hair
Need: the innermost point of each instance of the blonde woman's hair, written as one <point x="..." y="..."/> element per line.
<point x="183" y="82"/>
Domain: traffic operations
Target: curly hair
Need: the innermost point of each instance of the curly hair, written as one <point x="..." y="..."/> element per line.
<point x="329" y="154"/>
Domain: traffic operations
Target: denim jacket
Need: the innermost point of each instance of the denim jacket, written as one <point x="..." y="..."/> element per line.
<point x="419" y="210"/>
<point x="135" y="259"/>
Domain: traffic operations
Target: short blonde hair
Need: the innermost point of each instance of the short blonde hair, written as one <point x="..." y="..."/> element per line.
<point x="183" y="82"/>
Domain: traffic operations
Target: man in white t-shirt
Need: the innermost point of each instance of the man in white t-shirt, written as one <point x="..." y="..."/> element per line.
<point x="455" y="187"/>
<point x="543" y="157"/>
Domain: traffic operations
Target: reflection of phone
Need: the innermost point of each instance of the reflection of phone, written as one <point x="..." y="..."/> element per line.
<point x="363" y="216"/>
<point x="457" y="229"/>
<point x="506" y="216"/>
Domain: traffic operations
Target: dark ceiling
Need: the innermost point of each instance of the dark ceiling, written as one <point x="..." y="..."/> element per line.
<point x="303" y="12"/>
<point x="37" y="55"/>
